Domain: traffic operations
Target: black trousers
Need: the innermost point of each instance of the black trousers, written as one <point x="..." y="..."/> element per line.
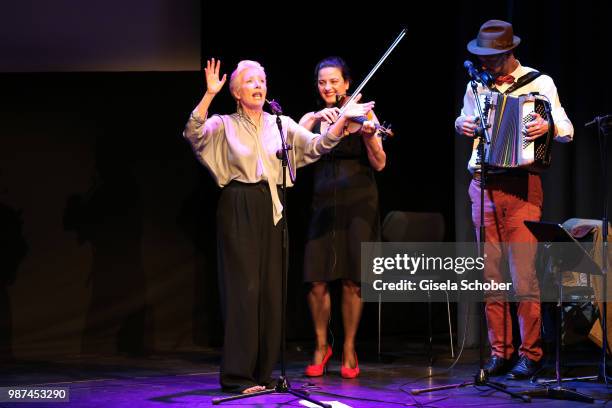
<point x="249" y="266"/>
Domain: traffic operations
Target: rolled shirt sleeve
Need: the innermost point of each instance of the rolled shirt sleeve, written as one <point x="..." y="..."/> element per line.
<point x="564" y="130"/>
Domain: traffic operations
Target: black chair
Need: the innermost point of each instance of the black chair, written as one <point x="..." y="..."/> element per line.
<point x="404" y="226"/>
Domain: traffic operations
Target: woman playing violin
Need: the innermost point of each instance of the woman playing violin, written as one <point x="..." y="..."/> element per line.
<point x="344" y="214"/>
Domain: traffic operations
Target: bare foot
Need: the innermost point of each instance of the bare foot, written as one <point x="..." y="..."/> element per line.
<point x="255" y="388"/>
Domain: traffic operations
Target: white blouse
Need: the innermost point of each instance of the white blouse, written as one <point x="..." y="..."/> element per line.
<point x="233" y="147"/>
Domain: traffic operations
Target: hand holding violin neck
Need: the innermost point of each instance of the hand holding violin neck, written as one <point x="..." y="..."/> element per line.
<point x="370" y="127"/>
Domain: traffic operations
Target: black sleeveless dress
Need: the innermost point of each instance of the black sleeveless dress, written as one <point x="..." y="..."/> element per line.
<point x="345" y="212"/>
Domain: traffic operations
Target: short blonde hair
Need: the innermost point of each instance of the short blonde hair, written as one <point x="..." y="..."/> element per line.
<point x="236" y="76"/>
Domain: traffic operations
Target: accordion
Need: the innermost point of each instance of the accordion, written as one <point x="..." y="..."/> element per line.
<point x="506" y="117"/>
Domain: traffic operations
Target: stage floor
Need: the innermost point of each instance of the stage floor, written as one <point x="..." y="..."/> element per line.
<point x="190" y="379"/>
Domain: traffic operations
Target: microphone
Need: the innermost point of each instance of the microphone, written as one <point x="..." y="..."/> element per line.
<point x="606" y="119"/>
<point x="275" y="107"/>
<point x="483" y="77"/>
<point x="472" y="72"/>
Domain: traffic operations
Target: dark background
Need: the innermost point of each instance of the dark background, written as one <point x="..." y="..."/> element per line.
<point x="107" y="218"/>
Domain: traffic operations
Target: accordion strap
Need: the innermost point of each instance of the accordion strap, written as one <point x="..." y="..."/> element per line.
<point x="522" y="81"/>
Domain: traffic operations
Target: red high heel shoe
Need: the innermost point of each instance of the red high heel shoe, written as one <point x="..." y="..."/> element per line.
<point x="317" y="370"/>
<point x="347" y="372"/>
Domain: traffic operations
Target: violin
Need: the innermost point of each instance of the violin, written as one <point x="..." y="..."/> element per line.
<point x="383" y="131"/>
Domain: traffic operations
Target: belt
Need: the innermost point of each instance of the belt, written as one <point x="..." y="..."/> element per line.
<point x="261" y="183"/>
<point x="506" y="173"/>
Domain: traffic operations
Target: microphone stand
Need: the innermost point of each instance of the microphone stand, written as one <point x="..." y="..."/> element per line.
<point x="481" y="379"/>
<point x="282" y="385"/>
<point x="604" y="126"/>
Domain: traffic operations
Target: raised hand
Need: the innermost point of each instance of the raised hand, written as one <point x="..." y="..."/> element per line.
<point x="211" y="73"/>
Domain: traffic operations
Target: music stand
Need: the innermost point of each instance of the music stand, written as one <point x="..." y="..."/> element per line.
<point x="575" y="258"/>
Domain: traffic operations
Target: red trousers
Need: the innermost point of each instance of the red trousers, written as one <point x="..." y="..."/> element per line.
<point x="511" y="248"/>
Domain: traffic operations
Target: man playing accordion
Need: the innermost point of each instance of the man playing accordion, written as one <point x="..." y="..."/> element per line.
<point x="513" y="194"/>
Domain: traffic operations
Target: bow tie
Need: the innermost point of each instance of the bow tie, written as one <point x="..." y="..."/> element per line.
<point x="504" y="79"/>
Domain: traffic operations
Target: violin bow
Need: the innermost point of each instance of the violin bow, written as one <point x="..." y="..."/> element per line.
<point x="373" y="71"/>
